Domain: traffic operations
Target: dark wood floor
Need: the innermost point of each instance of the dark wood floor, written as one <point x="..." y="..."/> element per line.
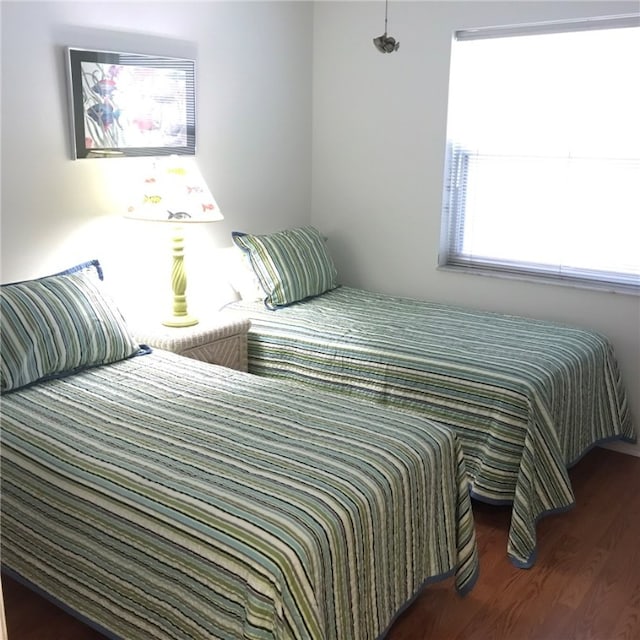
<point x="585" y="585"/>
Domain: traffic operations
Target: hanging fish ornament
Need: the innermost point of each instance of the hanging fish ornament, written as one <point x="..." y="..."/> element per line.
<point x="386" y="43"/>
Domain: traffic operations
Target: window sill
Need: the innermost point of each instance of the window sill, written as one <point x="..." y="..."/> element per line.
<point x="563" y="281"/>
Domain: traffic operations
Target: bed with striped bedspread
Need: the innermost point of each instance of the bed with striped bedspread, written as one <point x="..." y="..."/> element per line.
<point x="526" y="397"/>
<point x="161" y="497"/>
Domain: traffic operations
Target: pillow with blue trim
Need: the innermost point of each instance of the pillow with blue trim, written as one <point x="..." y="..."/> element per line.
<point x="57" y="325"/>
<point x="291" y="265"/>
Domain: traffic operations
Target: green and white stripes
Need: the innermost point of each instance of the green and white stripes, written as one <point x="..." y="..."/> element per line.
<point x="58" y="324"/>
<point x="291" y="265"/>
<point x="526" y="397"/>
<point x="166" y="498"/>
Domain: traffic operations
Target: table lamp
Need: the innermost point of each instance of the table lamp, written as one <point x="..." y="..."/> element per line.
<point x="174" y="191"/>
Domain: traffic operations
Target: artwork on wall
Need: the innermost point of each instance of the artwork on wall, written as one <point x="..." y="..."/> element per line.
<point x="125" y="104"/>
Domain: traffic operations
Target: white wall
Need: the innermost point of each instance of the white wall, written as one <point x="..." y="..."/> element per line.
<point x="379" y="128"/>
<point x="253" y="137"/>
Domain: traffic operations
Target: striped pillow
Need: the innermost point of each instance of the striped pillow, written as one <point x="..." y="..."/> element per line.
<point x="291" y="265"/>
<point x="59" y="324"/>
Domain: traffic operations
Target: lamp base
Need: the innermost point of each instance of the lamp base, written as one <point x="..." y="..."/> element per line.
<point x="180" y="321"/>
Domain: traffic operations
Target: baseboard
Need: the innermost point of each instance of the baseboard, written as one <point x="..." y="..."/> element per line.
<point x="623" y="447"/>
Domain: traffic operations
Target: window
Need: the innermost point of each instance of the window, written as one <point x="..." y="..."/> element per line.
<point x="543" y="155"/>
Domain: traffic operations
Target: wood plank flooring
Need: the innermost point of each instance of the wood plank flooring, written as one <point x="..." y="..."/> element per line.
<point x="584" y="586"/>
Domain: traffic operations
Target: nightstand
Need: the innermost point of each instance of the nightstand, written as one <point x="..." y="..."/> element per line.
<point x="218" y="340"/>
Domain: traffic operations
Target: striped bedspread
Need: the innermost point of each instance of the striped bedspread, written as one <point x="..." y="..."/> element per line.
<point x="161" y="497"/>
<point x="526" y="397"/>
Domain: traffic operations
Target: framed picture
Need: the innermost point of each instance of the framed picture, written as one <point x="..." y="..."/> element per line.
<point x="126" y="104"/>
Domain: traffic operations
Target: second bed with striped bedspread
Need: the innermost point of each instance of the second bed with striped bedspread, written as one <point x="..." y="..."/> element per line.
<point x="526" y="397"/>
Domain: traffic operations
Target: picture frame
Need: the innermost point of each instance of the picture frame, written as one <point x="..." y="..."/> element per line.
<point x="129" y="104"/>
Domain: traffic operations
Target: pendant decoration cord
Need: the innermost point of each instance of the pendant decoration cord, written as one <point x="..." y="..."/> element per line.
<point x="181" y="317"/>
<point x="385" y="43"/>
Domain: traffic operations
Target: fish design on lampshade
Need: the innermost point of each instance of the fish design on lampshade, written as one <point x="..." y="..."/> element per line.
<point x="174" y="190"/>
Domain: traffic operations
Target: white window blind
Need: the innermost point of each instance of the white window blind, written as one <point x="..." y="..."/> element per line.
<point x="543" y="156"/>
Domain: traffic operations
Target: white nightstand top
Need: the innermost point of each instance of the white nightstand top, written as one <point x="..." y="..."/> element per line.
<point x="213" y="328"/>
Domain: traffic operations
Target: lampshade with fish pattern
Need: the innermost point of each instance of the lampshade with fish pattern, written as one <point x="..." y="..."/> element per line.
<point x="174" y="190"/>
